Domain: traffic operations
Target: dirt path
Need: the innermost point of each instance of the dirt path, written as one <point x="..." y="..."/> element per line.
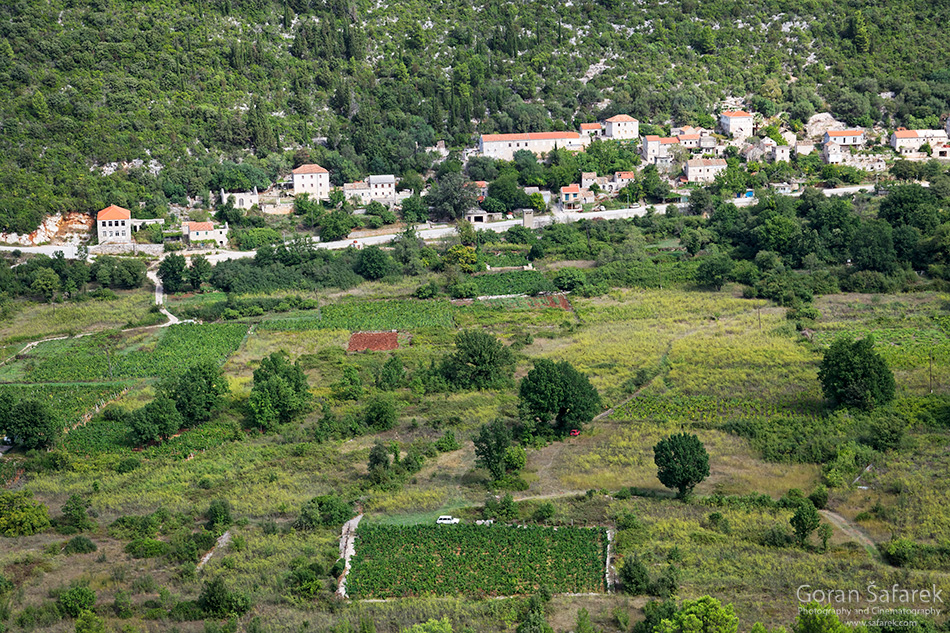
<point x="347" y="549"/>
<point x="222" y="541"/>
<point x="853" y="532"/>
<point x="160" y="298"/>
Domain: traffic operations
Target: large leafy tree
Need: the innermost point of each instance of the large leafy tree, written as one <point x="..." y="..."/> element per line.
<point x="681" y="461"/>
<point x="491" y="447"/>
<point x="805" y="520"/>
<point x="280" y="391"/>
<point x="198" y="392"/>
<point x="157" y="420"/>
<point x="172" y="273"/>
<point x="452" y="196"/>
<point x="705" y="614"/>
<point x="30" y="423"/>
<point x="557" y="397"/>
<point x="480" y="361"/>
<point x="852" y="374"/>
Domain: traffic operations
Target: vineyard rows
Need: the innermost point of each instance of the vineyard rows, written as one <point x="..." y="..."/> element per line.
<point x="519" y="282"/>
<point x="711" y="410"/>
<point x="87" y="359"/>
<point x="370" y="316"/>
<point x="474" y="560"/>
<point x="901" y="347"/>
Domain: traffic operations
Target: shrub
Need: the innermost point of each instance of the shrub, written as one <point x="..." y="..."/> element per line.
<point x="122" y="605"/>
<point x="80" y="545"/>
<point x="777" y="536"/>
<point x="427" y="291"/>
<point x="544" y="512"/>
<point x="127" y="465"/>
<point x="217" y="600"/>
<point x="447" y="443"/>
<point x="76" y="600"/>
<point x="819" y="497"/>
<point x="219" y="514"/>
<point x="147" y="548"/>
<point x="20" y="515"/>
<point x="634" y="576"/>
<point x="326" y="510"/>
<point x="463" y="290"/>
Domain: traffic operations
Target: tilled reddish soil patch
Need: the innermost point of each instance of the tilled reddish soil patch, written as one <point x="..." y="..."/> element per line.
<point x="373" y="341"/>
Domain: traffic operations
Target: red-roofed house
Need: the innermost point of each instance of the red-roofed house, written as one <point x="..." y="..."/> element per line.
<point x="504" y="146"/>
<point x="704" y="169"/>
<point x="845" y="138"/>
<point x="312" y="179"/>
<point x="737" y="123"/>
<point x="193" y="232"/>
<point x="570" y="196"/>
<point x="910" y="141"/>
<point x="591" y="130"/>
<point x="114" y="225"/>
<point x="656" y="149"/>
<point x="622" y="126"/>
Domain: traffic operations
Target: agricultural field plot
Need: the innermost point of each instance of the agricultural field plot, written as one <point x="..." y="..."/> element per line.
<point x="475" y="560"/>
<point x="373" y="341"/>
<point x="405" y="314"/>
<point x="546" y="301"/>
<point x="67" y="402"/>
<point x="133" y="355"/>
<point x="528" y="282"/>
<point x="37" y="321"/>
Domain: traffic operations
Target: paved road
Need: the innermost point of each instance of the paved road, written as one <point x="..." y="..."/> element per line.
<point x="160" y="298"/>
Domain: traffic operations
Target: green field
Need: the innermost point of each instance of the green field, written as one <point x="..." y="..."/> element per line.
<point x="67" y="401"/>
<point x="392" y="314"/>
<point x="475" y="560"/>
<point x="132" y="355"/>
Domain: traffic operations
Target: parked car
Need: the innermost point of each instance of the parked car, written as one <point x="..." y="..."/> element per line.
<point x="575" y="432"/>
<point x="446" y="520"/>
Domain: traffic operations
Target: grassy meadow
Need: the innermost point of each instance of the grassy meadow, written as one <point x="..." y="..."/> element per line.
<point x="734" y="371"/>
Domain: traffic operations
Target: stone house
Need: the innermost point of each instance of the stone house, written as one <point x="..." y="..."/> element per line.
<point x="656" y="149"/>
<point x="504" y="146"/>
<point x="312" y="179"/>
<point x="736" y="123"/>
<point x="622" y="126"/>
<point x="242" y="200"/>
<point x="591" y="130"/>
<point x="704" y="169"/>
<point x="570" y="197"/>
<point x="193" y="232"/>
<point x="845" y="138"/>
<point x="910" y="141"/>
<point x="114" y="225"/>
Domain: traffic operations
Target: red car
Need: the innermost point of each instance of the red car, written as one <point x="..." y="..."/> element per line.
<point x="575" y="432"/>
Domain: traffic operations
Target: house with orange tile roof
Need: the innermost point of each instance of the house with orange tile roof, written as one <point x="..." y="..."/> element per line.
<point x="504" y="146"/>
<point x="656" y="149"/>
<point x="906" y="141"/>
<point x="845" y="138"/>
<point x="704" y="169"/>
<point x="736" y="123"/>
<point x="312" y="179"/>
<point x="621" y="127"/>
<point x="114" y="225"/>
<point x="197" y="232"/>
<point x="591" y="130"/>
<point x="570" y="197"/>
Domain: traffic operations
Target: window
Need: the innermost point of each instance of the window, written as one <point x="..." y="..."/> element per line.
<point x="123" y="222"/>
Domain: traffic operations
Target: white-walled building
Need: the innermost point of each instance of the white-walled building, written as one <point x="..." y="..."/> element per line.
<point x="504" y="146"/>
<point x="736" y="123"/>
<point x="193" y="232"/>
<point x="114" y="225"/>
<point x="570" y="196"/>
<point x="592" y="130"/>
<point x="845" y="138"/>
<point x="622" y="126"/>
<point x="657" y="148"/>
<point x="704" y="169"/>
<point x="243" y="199"/>
<point x="312" y="179"/>
<point x="910" y="141"/>
<point x="833" y="153"/>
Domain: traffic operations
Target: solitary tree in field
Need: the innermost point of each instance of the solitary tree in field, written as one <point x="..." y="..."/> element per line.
<point x="854" y="375"/>
<point x="491" y="446"/>
<point x="682" y="462"/>
<point x="805" y="520"/>
<point x="480" y="361"/>
<point x="557" y="398"/>
<point x="280" y="392"/>
<point x="198" y="392"/>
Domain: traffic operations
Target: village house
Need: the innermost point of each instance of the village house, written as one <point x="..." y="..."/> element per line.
<point x="481" y="189"/>
<point x="378" y="188"/>
<point x="656" y="149"/>
<point x="803" y="149"/>
<point x="570" y="197"/>
<point x="195" y="232"/>
<point x="591" y="130"/>
<point x="242" y="200"/>
<point x="607" y="184"/>
<point x="312" y="179"/>
<point x="736" y="123"/>
<point x="113" y="225"/>
<point x="622" y="126"/>
<point x="845" y="138"/>
<point x="504" y="146"/>
<point x="704" y="169"/>
<point x="906" y="141"/>
<point x="832" y="153"/>
<point x="781" y="153"/>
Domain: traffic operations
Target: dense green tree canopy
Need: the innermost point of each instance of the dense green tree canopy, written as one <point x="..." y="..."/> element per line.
<point x="682" y="462"/>
<point x="854" y="375"/>
<point x="557" y="397"/>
